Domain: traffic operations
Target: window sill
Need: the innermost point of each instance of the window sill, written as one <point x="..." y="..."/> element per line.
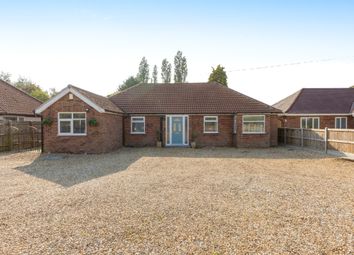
<point x="208" y="133"/>
<point x="138" y="133"/>
<point x="254" y="133"/>
<point x="72" y="134"/>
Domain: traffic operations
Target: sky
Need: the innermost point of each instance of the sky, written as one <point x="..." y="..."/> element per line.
<point x="96" y="45"/>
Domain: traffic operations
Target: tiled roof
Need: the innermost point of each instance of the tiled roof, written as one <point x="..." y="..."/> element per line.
<point x="101" y="101"/>
<point x="318" y="100"/>
<point x="187" y="98"/>
<point x="14" y="101"/>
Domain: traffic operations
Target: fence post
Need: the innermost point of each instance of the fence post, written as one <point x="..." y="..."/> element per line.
<point x="9" y="135"/>
<point x="302" y="137"/>
<point x="32" y="134"/>
<point x="326" y="139"/>
<point x="284" y="136"/>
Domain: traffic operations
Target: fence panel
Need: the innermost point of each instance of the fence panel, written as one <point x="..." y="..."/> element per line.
<point x="18" y="136"/>
<point x="341" y="140"/>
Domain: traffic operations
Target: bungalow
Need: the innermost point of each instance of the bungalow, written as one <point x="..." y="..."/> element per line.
<point x="208" y="114"/>
<point x="318" y="108"/>
<point x="16" y="105"/>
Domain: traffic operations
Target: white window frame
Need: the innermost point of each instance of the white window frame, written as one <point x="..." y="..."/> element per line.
<point x="313" y="122"/>
<point x="72" y="124"/>
<point x="253" y="115"/>
<point x="211" y="121"/>
<point x="346" y="122"/>
<point x="136" y="121"/>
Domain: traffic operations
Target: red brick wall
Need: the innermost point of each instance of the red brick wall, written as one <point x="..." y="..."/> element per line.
<point x="224" y="137"/>
<point x="269" y="138"/>
<point x="152" y="125"/>
<point x="325" y="121"/>
<point x="107" y="136"/>
<point x="274" y="125"/>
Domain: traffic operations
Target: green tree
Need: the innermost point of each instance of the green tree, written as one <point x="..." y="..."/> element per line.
<point x="143" y="74"/>
<point x="5" y="77"/>
<point x="219" y="75"/>
<point x="181" y="69"/>
<point x="131" y="81"/>
<point x="166" y="69"/>
<point x="154" y="74"/>
<point x="31" y="88"/>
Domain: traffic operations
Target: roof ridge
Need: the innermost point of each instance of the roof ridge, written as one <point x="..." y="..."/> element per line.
<point x="235" y="91"/>
<point x="295" y="99"/>
<point x="75" y="87"/>
<point x="91" y="94"/>
<point x="24" y="92"/>
<point x="329" y="88"/>
<point x="119" y="92"/>
<point x="284" y="99"/>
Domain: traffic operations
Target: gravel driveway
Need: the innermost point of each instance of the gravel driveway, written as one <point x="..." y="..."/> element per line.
<point x="177" y="201"/>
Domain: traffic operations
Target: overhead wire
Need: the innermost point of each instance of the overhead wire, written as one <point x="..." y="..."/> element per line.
<point x="287" y="64"/>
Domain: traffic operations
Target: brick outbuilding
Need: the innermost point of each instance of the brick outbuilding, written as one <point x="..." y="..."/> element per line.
<point x="202" y="114"/>
<point x="78" y="121"/>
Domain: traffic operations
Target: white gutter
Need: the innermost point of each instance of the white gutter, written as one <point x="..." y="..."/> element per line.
<point x="315" y="114"/>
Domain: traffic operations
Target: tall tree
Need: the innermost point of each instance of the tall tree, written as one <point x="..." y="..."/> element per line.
<point x="5" y="77"/>
<point x="166" y="69"/>
<point x="131" y="81"/>
<point x="181" y="69"/>
<point x="31" y="88"/>
<point x="154" y="74"/>
<point x="219" y="75"/>
<point x="52" y="92"/>
<point x="143" y="74"/>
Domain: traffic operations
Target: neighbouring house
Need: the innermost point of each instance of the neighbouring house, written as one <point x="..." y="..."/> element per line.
<point x="208" y="114"/>
<point x="17" y="105"/>
<point x="318" y="108"/>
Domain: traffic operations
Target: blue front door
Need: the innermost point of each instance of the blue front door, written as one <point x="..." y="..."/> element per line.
<point x="177" y="130"/>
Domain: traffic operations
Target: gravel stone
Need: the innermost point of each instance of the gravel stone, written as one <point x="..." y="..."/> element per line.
<point x="177" y="201"/>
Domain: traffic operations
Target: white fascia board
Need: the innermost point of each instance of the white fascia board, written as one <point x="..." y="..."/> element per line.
<point x="64" y="92"/>
<point x="87" y="101"/>
<point x="314" y="114"/>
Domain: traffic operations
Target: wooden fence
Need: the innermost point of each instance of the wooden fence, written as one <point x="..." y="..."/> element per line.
<point x="18" y="136"/>
<point x="340" y="140"/>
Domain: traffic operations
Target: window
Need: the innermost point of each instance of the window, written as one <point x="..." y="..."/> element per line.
<point x="10" y="118"/>
<point x="72" y="123"/>
<point x="341" y="122"/>
<point x="253" y="124"/>
<point x="310" y="122"/>
<point x="138" y="125"/>
<point x="210" y="124"/>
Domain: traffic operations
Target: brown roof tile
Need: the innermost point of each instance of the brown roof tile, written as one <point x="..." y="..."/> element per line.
<point x="187" y="98"/>
<point x="14" y="101"/>
<point x="101" y="101"/>
<point x="318" y="100"/>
